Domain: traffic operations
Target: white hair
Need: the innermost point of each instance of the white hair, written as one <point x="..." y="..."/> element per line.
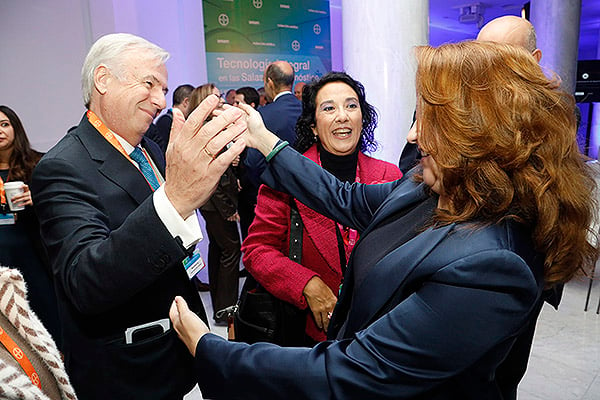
<point x="110" y="50"/>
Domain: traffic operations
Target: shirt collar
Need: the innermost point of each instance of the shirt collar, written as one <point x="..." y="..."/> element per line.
<point x="281" y="94"/>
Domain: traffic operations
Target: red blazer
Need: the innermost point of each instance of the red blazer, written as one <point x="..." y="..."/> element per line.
<point x="266" y="247"/>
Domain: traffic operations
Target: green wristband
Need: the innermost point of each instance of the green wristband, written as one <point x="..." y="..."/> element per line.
<point x="276" y="149"/>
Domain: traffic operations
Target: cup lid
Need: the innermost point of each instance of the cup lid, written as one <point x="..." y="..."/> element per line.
<point x="13" y="184"/>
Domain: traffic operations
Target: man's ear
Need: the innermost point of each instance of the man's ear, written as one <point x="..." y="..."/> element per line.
<point x="537" y="54"/>
<point x="102" y="76"/>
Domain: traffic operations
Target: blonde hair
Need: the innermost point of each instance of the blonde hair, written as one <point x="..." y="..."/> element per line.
<point x="199" y="94"/>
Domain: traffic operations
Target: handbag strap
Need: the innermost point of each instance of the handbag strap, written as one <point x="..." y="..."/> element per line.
<point x="296" y="225"/>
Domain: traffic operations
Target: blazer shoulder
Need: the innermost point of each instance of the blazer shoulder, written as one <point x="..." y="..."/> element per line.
<point x="379" y="171"/>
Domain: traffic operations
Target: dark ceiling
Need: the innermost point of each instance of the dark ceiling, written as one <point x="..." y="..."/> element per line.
<point x="444" y="25"/>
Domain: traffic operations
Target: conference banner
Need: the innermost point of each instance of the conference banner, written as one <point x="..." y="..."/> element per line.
<point x="244" y="36"/>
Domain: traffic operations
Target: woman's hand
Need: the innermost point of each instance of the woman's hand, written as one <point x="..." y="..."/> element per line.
<point x="23" y="199"/>
<point x="189" y="327"/>
<point x="234" y="218"/>
<point x="257" y="135"/>
<point x="321" y="301"/>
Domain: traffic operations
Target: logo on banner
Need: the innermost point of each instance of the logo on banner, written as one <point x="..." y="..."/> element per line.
<point x="317" y="29"/>
<point x="257" y="3"/>
<point x="223" y="20"/>
<point x="295" y="45"/>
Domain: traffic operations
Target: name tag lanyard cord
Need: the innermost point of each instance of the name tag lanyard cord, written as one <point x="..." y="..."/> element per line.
<point x="20" y="356"/>
<point x="110" y="137"/>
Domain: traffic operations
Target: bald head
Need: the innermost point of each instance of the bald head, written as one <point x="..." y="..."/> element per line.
<point x="513" y="30"/>
<point x="279" y="77"/>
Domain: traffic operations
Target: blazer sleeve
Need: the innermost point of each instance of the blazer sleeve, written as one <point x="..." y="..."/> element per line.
<point x="451" y="323"/>
<point x="98" y="267"/>
<point x="265" y="249"/>
<point x="352" y="205"/>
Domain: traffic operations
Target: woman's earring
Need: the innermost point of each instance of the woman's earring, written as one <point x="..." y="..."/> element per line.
<point x="316" y="138"/>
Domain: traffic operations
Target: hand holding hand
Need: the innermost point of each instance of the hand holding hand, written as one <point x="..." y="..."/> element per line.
<point x="189" y="327"/>
<point x="257" y="135"/>
<point x="321" y="301"/>
<point x="194" y="161"/>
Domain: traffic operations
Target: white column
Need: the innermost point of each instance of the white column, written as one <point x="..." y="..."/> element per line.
<point x="379" y="36"/>
<point x="595" y="124"/>
<point x="557" y="26"/>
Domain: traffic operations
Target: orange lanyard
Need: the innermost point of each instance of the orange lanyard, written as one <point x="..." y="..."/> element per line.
<point x="110" y="137"/>
<point x="2" y="194"/>
<point x="20" y="356"/>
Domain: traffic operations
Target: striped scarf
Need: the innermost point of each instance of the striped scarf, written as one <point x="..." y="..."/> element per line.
<point x="14" y="383"/>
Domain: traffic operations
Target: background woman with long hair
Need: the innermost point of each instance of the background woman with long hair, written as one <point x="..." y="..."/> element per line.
<point x="221" y="216"/>
<point x="20" y="243"/>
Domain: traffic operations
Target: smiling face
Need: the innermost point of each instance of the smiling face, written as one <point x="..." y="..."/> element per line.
<point x="7" y="133"/>
<point x="338" y="118"/>
<point x="130" y="97"/>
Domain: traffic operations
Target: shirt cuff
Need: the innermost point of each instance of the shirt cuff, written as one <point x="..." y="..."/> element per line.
<point x="188" y="230"/>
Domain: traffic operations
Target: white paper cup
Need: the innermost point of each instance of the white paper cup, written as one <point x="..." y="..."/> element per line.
<point x="11" y="189"/>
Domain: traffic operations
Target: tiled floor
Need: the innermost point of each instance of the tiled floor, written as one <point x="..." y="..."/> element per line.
<point x="565" y="359"/>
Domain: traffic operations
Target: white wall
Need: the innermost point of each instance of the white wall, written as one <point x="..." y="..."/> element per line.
<point x="43" y="47"/>
<point x="45" y="42"/>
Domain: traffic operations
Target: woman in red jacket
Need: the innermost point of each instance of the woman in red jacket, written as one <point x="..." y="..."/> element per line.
<point x="335" y="129"/>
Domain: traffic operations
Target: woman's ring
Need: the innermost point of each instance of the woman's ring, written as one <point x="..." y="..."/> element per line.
<point x="211" y="155"/>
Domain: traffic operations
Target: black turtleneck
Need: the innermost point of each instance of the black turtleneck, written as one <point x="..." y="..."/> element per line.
<point x="342" y="167"/>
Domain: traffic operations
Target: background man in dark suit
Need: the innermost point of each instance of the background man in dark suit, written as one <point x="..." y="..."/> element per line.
<point x="159" y="132"/>
<point x="279" y="116"/>
<point x="117" y="232"/>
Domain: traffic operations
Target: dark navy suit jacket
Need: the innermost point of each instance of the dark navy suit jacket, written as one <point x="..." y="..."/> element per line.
<point x="115" y="265"/>
<point x="280" y="117"/>
<point x="437" y="318"/>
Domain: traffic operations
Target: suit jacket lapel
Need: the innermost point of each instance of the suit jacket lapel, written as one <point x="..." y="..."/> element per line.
<point x="404" y="195"/>
<point x="156" y="154"/>
<point x="112" y="164"/>
<point x="319" y="228"/>
<point x="389" y="275"/>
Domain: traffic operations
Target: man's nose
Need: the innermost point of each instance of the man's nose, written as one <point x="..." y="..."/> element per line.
<point x="158" y="99"/>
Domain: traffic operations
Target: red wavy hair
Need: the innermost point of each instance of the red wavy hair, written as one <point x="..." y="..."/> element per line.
<point x="504" y="138"/>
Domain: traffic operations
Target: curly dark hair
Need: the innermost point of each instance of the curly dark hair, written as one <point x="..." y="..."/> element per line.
<point x="306" y="121"/>
<point x="23" y="158"/>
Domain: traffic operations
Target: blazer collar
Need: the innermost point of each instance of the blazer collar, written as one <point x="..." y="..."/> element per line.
<point x="406" y="194"/>
<point x="112" y="164"/>
<point x="321" y="229"/>
<point x="388" y="276"/>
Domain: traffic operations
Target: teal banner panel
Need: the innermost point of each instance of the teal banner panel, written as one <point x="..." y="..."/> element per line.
<point x="244" y="36"/>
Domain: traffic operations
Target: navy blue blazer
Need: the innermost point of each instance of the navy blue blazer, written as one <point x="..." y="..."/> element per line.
<point x="115" y="265"/>
<point x="280" y="117"/>
<point x="436" y="318"/>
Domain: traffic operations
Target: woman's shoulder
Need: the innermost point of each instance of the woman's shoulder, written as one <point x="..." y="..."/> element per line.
<point x="386" y="170"/>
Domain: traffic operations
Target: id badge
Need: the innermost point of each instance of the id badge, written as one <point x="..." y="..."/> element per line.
<point x="193" y="264"/>
<point x="7" y="219"/>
